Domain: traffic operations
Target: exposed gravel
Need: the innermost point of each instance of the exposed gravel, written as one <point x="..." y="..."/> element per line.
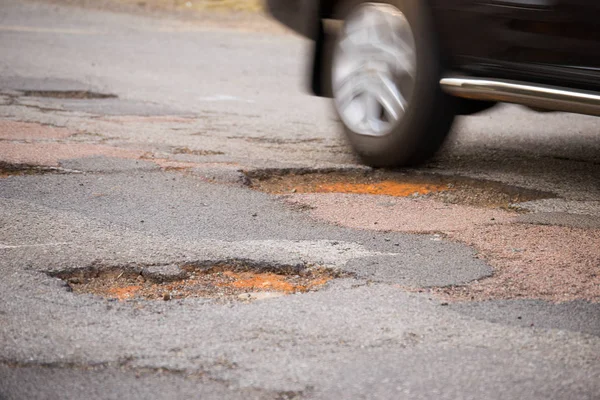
<point x="223" y="283"/>
<point x="555" y="263"/>
<point x="14" y="130"/>
<point x="385" y="213"/>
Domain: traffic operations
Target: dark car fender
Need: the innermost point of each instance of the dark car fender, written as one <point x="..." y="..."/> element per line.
<point x="301" y="16"/>
<point x="305" y="18"/>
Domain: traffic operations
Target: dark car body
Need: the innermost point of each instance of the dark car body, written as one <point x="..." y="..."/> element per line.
<point x="400" y="71"/>
<point x="552" y="42"/>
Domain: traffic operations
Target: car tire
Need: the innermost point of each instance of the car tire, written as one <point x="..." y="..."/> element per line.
<point x="428" y="113"/>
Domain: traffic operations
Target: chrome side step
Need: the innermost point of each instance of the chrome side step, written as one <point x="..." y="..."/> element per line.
<point x="532" y="95"/>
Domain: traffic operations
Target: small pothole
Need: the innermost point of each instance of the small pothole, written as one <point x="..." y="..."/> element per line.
<point x="448" y="189"/>
<point x="68" y="94"/>
<point x="230" y="281"/>
<point x="8" y="169"/>
<point x="195" y="152"/>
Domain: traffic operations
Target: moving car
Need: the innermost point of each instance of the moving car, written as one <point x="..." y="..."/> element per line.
<point x="399" y="71"/>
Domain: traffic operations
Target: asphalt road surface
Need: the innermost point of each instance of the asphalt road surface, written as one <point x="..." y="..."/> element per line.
<point x="134" y="145"/>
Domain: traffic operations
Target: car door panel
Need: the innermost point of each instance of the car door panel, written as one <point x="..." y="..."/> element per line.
<point x="512" y="37"/>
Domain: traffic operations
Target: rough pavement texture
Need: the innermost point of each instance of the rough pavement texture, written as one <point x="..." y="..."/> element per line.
<point x="310" y="343"/>
<point x="12" y="130"/>
<point x="49" y="154"/>
<point x="386" y="213"/>
<point x="556" y="263"/>
<point x="546" y="262"/>
<point x="207" y="103"/>
<point x="228" y="222"/>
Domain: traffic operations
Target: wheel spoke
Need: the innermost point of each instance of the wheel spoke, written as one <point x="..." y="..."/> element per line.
<point x="391" y="48"/>
<point x="390" y="98"/>
<point x="372" y="107"/>
<point x="349" y="88"/>
<point x="402" y="61"/>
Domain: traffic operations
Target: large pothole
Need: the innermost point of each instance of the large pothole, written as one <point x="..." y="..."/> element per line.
<point x="231" y="281"/>
<point x="448" y="189"/>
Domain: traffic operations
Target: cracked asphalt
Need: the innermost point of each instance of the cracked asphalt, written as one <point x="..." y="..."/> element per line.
<point x="159" y="175"/>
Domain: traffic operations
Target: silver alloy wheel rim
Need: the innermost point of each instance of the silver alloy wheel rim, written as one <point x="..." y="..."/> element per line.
<point x="373" y="71"/>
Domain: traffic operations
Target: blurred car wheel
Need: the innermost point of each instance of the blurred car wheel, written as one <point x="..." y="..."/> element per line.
<point x="385" y="73"/>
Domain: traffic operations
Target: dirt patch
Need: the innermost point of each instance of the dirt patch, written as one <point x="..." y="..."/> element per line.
<point x="406" y="214"/>
<point x="447" y="189"/>
<point x="227" y="281"/>
<point x="14" y="130"/>
<point x="552" y="263"/>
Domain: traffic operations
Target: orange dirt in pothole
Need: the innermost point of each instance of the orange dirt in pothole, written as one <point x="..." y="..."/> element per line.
<point x="227" y="285"/>
<point x="270" y="282"/>
<point x="333" y="183"/>
<point x="388" y="188"/>
<point x="124" y="293"/>
<point x="447" y="189"/>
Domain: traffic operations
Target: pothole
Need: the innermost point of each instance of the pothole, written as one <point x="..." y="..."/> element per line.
<point x="448" y="189"/>
<point x="8" y="169"/>
<point x="68" y="94"/>
<point x="230" y="281"/>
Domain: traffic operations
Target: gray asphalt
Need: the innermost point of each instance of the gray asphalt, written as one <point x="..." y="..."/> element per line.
<point x="361" y="337"/>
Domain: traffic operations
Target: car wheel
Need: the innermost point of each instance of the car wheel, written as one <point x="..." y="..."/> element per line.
<point x="385" y="72"/>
